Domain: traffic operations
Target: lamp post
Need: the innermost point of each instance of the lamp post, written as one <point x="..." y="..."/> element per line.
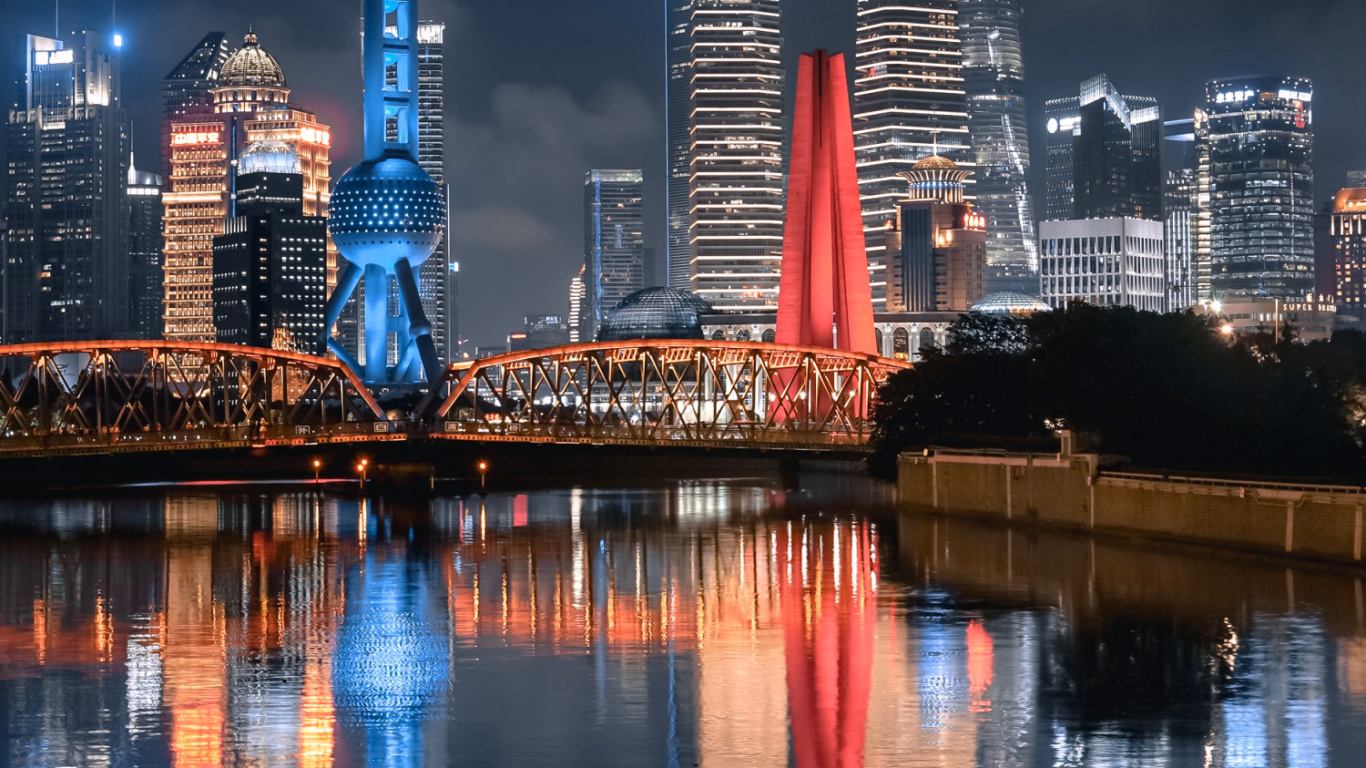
<point x="483" y="472"/>
<point x="362" y="467"/>
<point x="317" y="468"/>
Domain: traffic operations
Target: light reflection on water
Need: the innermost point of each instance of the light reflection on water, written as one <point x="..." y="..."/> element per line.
<point x="703" y="623"/>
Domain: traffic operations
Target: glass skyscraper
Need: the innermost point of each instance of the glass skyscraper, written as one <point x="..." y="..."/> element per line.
<point x="436" y="277"/>
<point x="66" y="264"/>
<point x="144" y="253"/>
<point x="614" y="241"/>
<point x="187" y="89"/>
<point x="1261" y="154"/>
<point x="731" y="123"/>
<point x="993" y="76"/>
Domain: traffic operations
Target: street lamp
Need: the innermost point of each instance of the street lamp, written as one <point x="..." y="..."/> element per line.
<point x="483" y="471"/>
<point x="317" y="468"/>
<point x="362" y="467"/>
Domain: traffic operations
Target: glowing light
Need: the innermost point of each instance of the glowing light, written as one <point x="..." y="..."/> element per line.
<point x="118" y="40"/>
<point x="194" y="137"/>
<point x="315" y="136"/>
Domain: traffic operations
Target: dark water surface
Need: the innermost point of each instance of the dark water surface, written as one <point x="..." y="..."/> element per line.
<point x="712" y="623"/>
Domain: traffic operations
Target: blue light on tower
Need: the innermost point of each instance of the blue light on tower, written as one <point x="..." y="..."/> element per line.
<point x="387" y="214"/>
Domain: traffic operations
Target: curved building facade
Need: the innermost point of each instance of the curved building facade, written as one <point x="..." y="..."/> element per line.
<point x="994" y="79"/>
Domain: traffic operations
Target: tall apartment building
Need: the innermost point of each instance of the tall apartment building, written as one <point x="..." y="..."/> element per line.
<point x="1261" y="147"/>
<point x="614" y="239"/>
<point x="731" y="63"/>
<point x="144" y="253"/>
<point x="67" y="138"/>
<point x="994" y="79"/>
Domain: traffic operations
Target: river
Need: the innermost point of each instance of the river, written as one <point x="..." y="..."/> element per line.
<point x="753" y="621"/>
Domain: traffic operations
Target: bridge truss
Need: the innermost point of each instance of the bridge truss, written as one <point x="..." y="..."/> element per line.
<point x="705" y="393"/>
<point x="144" y="395"/>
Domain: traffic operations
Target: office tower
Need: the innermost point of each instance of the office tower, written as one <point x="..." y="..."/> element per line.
<point x="1261" y="145"/>
<point x="1190" y="137"/>
<point x="387" y="248"/>
<point x="678" y="84"/>
<point x="735" y="157"/>
<point x="993" y="76"/>
<point x="66" y="203"/>
<point x="250" y="104"/>
<point x="144" y="253"/>
<point x="1182" y="217"/>
<point x="579" y="324"/>
<point x="937" y="243"/>
<point x="826" y="300"/>
<point x="188" y="89"/>
<point x="1347" y="236"/>
<point x="1116" y="155"/>
<point x="614" y="239"/>
<point x="908" y="97"/>
<point x="270" y="264"/>
<point x="1063" y="118"/>
<point x="435" y="276"/>
<point x="1107" y="262"/>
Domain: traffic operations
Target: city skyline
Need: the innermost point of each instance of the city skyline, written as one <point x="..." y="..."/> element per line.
<point x="524" y="181"/>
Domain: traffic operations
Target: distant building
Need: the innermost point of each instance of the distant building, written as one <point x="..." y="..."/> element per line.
<point x="994" y="79"/>
<point x="614" y="239"/>
<point x="1348" y="240"/>
<point x="1062" y="120"/>
<point x="144" y="254"/>
<point x="436" y="278"/>
<point x="936" y="244"/>
<point x="655" y="313"/>
<point x="539" y="332"/>
<point x="580" y="324"/>
<point x="1309" y="318"/>
<point x="1106" y="262"/>
<point x="1261" y="144"/>
<point x="1187" y="209"/>
<point x="1182" y="217"/>
<point x="270" y="264"/>
<point x="68" y="146"/>
<point x="187" y="90"/>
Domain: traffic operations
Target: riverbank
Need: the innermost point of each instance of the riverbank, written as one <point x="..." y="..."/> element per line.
<point x="1317" y="522"/>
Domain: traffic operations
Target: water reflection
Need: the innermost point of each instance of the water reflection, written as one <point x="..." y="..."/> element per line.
<point x="705" y="623"/>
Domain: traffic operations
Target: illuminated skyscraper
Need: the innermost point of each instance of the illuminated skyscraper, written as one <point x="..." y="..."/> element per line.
<point x="993" y="75"/>
<point x="678" y="258"/>
<point x="144" y="253"/>
<point x="1261" y="145"/>
<point x="908" y="98"/>
<point x="435" y="277"/>
<point x="66" y="266"/>
<point x="614" y="240"/>
<point x="188" y="89"/>
<point x="734" y="127"/>
<point x="1347" y="234"/>
<point x="1063" y="118"/>
<point x="578" y="299"/>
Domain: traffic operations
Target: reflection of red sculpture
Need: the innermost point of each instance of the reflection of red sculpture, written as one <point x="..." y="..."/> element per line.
<point x="980" y="661"/>
<point x="829" y="610"/>
<point x="825" y="260"/>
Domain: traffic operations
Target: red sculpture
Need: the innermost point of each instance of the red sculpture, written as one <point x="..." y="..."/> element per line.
<point x="824" y="298"/>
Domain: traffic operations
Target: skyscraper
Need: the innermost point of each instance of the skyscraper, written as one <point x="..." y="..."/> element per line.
<point x="614" y="240"/>
<point x="1261" y="145"/>
<point x="735" y="161"/>
<point x="68" y="144"/>
<point x="435" y="278"/>
<point x="993" y="76"/>
<point x="678" y="82"/>
<point x="270" y="264"/>
<point x="188" y="89"/>
<point x="578" y="320"/>
<point x="1182" y="220"/>
<point x="1347" y="235"/>
<point x="1062" y="119"/>
<point x="144" y="253"/>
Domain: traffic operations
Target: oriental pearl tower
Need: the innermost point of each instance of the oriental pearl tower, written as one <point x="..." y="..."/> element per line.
<point x="387" y="214"/>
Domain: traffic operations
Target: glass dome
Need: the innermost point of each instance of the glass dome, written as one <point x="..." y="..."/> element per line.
<point x="1010" y="303"/>
<point x="655" y="313"/>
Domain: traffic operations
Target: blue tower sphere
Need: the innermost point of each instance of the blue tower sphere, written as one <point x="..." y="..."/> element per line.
<point x="384" y="210"/>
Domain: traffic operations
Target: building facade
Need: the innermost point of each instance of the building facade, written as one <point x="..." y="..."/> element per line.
<point x="578" y="319"/>
<point x="1348" y="238"/>
<point x="1116" y="155"/>
<point x="144" y="254"/>
<point x="67" y="139"/>
<point x="1062" y="121"/>
<point x="436" y="277"/>
<point x="187" y="90"/>
<point x="1182" y="218"/>
<point x="1105" y="262"/>
<point x="735" y="153"/>
<point x="1261" y="145"/>
<point x="998" y="124"/>
<point x="270" y="264"/>
<point x="678" y="108"/>
<point x="614" y="239"/>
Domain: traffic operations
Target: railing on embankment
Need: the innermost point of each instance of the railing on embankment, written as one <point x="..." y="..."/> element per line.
<point x="1322" y="522"/>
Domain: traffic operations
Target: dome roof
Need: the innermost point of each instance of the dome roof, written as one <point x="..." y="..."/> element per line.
<point x="937" y="161"/>
<point x="655" y="313"/>
<point x="1010" y="303"/>
<point x="251" y="65"/>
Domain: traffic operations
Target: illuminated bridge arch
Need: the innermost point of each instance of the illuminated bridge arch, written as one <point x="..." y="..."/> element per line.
<point x="114" y="396"/>
<point x="652" y="392"/>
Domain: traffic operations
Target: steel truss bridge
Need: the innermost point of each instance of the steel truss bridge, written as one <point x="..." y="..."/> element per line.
<point x="133" y="396"/>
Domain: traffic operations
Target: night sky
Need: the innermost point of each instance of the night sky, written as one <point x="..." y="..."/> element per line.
<point x="538" y="91"/>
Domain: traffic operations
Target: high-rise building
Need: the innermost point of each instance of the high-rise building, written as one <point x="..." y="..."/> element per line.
<point x="1188" y="196"/>
<point x="1063" y="119"/>
<point x="66" y="270"/>
<point x="579" y="323"/>
<point x="614" y="239"/>
<point x="1261" y="145"/>
<point x="909" y="98"/>
<point x="188" y="89"/>
<point x="250" y="105"/>
<point x="1116" y="155"/>
<point x="936" y="243"/>
<point x="1182" y="219"/>
<point x="144" y="253"/>
<point x="735" y="155"/>
<point x="993" y="76"/>
<point x="270" y="264"/>
<point x="678" y="84"/>
<point x="1106" y="262"/>
<point x="435" y="277"/>
<point x="1348" y="238"/>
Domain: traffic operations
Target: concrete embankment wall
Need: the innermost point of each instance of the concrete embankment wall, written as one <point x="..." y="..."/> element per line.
<point x="1312" y="521"/>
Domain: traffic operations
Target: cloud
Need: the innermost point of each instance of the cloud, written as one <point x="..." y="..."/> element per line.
<point x="516" y="173"/>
